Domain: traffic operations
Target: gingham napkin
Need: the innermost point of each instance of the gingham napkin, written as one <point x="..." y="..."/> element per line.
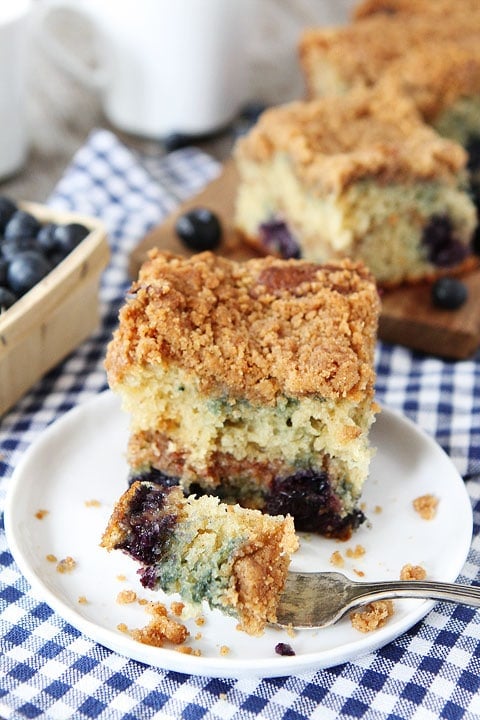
<point x="49" y="670"/>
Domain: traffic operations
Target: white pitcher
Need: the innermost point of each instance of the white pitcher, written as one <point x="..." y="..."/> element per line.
<point x="164" y="66"/>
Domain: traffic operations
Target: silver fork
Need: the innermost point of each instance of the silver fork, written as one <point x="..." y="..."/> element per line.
<point x="315" y="600"/>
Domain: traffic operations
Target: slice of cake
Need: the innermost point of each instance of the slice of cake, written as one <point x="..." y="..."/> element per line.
<point x="361" y="176"/>
<point x="234" y="559"/>
<point x="335" y="60"/>
<point x="253" y="381"/>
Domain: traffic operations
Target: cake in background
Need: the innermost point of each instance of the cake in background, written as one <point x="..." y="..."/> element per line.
<point x="358" y="175"/>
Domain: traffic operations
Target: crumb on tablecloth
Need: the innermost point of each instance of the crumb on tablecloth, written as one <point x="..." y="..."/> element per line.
<point x="426" y="506"/>
<point x="372" y="616"/>
<point x="413" y="572"/>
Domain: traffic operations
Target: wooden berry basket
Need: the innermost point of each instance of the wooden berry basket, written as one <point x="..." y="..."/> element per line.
<point x="56" y="315"/>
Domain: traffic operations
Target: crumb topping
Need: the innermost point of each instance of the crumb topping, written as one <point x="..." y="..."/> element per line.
<point x="335" y="141"/>
<point x="372" y="616"/>
<point x="426" y="506"/>
<point x="433" y="80"/>
<point x="125" y="597"/>
<point x="251" y="330"/>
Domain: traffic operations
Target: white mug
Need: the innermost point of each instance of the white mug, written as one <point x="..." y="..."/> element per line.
<point x="164" y="66"/>
<point x="14" y="28"/>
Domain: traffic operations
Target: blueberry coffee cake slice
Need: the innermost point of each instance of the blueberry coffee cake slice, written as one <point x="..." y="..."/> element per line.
<point x="233" y="558"/>
<point x="253" y="381"/>
<point x="361" y="176"/>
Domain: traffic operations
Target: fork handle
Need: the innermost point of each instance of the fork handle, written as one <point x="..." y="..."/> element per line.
<point x="432" y="590"/>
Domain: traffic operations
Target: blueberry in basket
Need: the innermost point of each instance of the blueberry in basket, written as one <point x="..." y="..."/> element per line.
<point x="199" y="229"/>
<point x="30" y="249"/>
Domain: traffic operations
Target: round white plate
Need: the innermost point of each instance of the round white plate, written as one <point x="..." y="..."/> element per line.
<point x="80" y="458"/>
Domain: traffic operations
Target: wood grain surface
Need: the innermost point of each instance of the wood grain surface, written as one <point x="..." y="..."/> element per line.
<point x="408" y="317"/>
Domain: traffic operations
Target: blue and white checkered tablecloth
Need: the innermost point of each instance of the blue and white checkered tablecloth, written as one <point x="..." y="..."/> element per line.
<point x="48" y="669"/>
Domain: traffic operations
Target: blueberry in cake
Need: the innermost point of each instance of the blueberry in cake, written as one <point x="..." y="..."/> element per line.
<point x="252" y="381"/>
<point x="361" y="176"/>
<point x="233" y="558"/>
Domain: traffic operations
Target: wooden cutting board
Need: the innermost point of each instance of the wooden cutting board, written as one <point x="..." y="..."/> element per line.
<point x="408" y="317"/>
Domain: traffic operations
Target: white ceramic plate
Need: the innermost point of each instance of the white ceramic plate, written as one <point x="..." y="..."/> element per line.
<point x="81" y="458"/>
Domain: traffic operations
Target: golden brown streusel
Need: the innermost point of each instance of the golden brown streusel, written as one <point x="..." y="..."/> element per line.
<point x="224" y="650"/>
<point x="126" y="597"/>
<point x="372" y="616"/>
<point x="122" y="627"/>
<point x="66" y="565"/>
<point x="426" y="506"/>
<point x="177" y="608"/>
<point x="413" y="572"/>
<point x="254" y="330"/>
<point x="335" y="141"/>
<point x="187" y="650"/>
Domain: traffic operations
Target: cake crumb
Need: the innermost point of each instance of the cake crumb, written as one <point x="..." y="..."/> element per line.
<point x="224" y="650"/>
<point x="377" y="509"/>
<point x="222" y="696"/>
<point x="372" y="616"/>
<point x="356" y="552"/>
<point x="121" y="578"/>
<point x="200" y="620"/>
<point x="187" y="650"/>
<point x="122" y="627"/>
<point x="360" y="573"/>
<point x="125" y="597"/>
<point x="66" y="565"/>
<point x="142" y="601"/>
<point x="82" y="600"/>
<point x="160" y="628"/>
<point x="426" y="506"/>
<point x="40" y="514"/>
<point x="92" y="503"/>
<point x="177" y="608"/>
<point x="413" y="572"/>
<point x="337" y="559"/>
<point x="51" y="558"/>
<point x="198" y="636"/>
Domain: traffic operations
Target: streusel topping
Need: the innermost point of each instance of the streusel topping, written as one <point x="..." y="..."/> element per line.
<point x="435" y="80"/>
<point x="335" y="141"/>
<point x="251" y="330"/>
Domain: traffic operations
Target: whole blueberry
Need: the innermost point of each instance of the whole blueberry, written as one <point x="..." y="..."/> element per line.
<point x="67" y="237"/>
<point x="449" y="293"/>
<point x="199" y="229"/>
<point x="7" y="298"/>
<point x="7" y="208"/>
<point x="11" y="248"/>
<point x="3" y="270"/>
<point x="26" y="270"/>
<point x="46" y="240"/>
<point x="21" y="225"/>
